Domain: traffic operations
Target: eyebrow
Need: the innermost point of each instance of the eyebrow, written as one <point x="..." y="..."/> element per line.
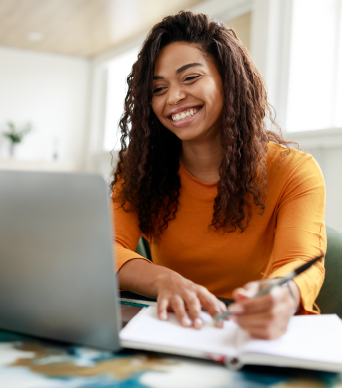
<point x="181" y="69"/>
<point x="185" y="67"/>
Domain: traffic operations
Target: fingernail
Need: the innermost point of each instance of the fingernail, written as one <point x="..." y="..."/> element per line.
<point x="163" y="316"/>
<point x="236" y="308"/>
<point x="276" y="291"/>
<point x="198" y="323"/>
<point x="186" y="321"/>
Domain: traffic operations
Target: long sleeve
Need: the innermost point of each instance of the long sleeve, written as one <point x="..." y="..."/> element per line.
<point x="289" y="233"/>
<point x="126" y="234"/>
<point x="300" y="231"/>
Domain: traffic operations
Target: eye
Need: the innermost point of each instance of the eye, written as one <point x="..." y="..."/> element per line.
<point x="158" y="90"/>
<point x="190" y="78"/>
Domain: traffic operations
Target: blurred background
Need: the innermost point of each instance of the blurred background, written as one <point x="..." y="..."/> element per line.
<point x="63" y="65"/>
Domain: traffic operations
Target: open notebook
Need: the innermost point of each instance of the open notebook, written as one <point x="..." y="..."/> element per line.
<point x="311" y="342"/>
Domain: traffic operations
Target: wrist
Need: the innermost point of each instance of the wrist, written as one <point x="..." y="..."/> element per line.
<point x="294" y="293"/>
<point x="162" y="278"/>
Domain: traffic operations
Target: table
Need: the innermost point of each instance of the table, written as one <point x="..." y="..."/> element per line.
<point x="27" y="362"/>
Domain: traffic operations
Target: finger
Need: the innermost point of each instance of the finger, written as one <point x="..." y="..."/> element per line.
<point x="194" y="306"/>
<point x="273" y="319"/>
<point x="222" y="307"/>
<point x="210" y="302"/>
<point x="163" y="304"/>
<point x="239" y="294"/>
<point x="178" y="306"/>
<point x="260" y="333"/>
<point x="213" y="305"/>
<point x="247" y="321"/>
<point x="267" y="333"/>
<point x="264" y="302"/>
<point x="248" y="291"/>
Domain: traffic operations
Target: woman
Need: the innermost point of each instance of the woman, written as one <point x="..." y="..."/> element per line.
<point x="223" y="201"/>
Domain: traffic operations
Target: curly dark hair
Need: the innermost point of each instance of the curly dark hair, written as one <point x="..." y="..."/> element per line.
<point x="148" y="164"/>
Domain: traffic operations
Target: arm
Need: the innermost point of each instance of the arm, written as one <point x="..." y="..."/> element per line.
<point x="173" y="291"/>
<point x="299" y="237"/>
<point x="300" y="233"/>
<point x="139" y="275"/>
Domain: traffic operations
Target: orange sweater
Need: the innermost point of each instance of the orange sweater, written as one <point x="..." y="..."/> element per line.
<point x="290" y="232"/>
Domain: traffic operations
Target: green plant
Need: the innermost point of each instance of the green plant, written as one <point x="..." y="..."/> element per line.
<point x="16" y="133"/>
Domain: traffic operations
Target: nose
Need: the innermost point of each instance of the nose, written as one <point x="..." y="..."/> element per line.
<point x="175" y="95"/>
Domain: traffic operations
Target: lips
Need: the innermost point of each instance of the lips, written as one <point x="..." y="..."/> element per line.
<point x="185" y="116"/>
<point x="182" y="108"/>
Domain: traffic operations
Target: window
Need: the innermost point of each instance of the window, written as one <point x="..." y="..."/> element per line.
<point x="117" y="72"/>
<point x="315" y="77"/>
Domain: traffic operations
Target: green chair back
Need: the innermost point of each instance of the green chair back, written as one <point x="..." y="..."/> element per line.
<point x="329" y="299"/>
<point x="143" y="248"/>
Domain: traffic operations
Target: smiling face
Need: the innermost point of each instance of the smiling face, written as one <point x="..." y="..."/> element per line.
<point x="187" y="92"/>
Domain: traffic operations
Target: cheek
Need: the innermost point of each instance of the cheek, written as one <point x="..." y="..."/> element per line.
<point x="215" y="97"/>
<point x="157" y="107"/>
<point x="211" y="94"/>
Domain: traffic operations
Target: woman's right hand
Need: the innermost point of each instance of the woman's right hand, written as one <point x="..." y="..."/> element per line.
<point x="186" y="299"/>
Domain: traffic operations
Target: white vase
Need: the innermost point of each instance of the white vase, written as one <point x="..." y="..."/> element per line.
<point x="13" y="150"/>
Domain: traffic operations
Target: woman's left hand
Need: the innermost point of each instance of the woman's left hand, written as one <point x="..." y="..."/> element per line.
<point x="266" y="316"/>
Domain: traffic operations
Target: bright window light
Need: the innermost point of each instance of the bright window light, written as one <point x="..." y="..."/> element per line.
<point x="118" y="70"/>
<point x="314" y="65"/>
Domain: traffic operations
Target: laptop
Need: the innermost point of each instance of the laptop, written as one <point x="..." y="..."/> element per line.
<point x="57" y="272"/>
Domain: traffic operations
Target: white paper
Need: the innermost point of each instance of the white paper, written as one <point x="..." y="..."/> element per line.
<point x="309" y="338"/>
<point x="147" y="328"/>
<point x="315" y="338"/>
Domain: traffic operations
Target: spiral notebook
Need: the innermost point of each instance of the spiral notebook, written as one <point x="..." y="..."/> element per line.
<point x="311" y="342"/>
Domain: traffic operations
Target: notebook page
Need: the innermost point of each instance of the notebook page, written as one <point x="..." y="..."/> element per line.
<point x="147" y="328"/>
<point x="308" y="337"/>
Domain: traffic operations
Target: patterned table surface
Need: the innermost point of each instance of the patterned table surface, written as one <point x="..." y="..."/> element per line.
<point x="30" y="363"/>
<point x="27" y="362"/>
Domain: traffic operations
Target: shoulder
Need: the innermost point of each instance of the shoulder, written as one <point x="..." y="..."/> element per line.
<point x="289" y="161"/>
<point x="291" y="172"/>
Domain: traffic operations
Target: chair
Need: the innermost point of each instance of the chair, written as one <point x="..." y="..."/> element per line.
<point x="143" y="248"/>
<point x="329" y="299"/>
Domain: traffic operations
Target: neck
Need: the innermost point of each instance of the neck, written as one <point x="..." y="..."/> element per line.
<point x="203" y="159"/>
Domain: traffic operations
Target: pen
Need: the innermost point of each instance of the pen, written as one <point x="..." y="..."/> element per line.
<point x="267" y="289"/>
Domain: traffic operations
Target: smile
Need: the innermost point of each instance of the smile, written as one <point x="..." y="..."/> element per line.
<point x="185" y="114"/>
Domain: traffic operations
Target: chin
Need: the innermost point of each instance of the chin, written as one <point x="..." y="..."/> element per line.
<point x="186" y="136"/>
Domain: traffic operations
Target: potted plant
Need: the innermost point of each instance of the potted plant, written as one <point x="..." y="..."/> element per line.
<point x="16" y="134"/>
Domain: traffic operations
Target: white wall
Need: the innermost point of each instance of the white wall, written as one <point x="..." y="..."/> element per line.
<point x="330" y="161"/>
<point x="326" y="147"/>
<point x="51" y="91"/>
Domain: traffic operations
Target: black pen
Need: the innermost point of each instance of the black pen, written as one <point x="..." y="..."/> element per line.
<point x="267" y="289"/>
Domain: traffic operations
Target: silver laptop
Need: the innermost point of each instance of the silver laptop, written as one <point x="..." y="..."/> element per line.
<point x="57" y="276"/>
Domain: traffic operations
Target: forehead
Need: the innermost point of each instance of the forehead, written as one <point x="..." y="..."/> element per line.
<point x="177" y="54"/>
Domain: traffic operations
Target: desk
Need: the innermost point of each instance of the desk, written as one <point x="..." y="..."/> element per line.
<point x="30" y="363"/>
<point x="27" y="362"/>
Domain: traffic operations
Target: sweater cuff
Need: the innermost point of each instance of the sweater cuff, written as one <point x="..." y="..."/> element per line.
<point x="309" y="284"/>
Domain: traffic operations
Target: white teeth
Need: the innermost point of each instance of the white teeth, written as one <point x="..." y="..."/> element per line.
<point x="183" y="115"/>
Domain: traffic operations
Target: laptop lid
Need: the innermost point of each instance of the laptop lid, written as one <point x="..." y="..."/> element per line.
<point x="57" y="275"/>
